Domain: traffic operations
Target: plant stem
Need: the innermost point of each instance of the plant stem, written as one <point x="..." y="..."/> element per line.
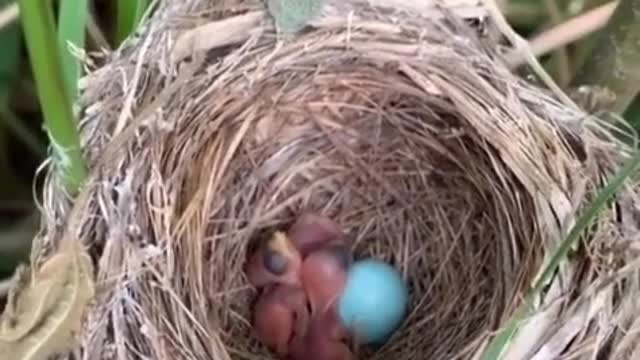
<point x="39" y="32"/>
<point x="129" y="14"/>
<point x="140" y="9"/>
<point x="72" y="23"/>
<point x="614" y="62"/>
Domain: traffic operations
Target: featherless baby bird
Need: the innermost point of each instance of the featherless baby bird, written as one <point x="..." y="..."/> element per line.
<point x="302" y="274"/>
<point x="275" y="261"/>
<point x="325" y="339"/>
<point x="311" y="232"/>
<point x="280" y="314"/>
<point x="324" y="275"/>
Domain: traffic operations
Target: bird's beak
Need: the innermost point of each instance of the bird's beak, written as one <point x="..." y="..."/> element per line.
<point x="283" y="247"/>
<point x="281" y="244"/>
<point x="282" y="258"/>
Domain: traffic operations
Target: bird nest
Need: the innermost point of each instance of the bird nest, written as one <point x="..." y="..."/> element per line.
<point x="396" y="119"/>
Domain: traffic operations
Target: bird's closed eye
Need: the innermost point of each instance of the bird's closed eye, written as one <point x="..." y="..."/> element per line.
<point x="275" y="262"/>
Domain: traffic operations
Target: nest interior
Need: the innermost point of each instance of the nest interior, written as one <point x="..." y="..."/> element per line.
<point x="413" y="137"/>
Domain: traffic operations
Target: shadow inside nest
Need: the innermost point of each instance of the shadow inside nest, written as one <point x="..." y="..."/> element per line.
<point x="409" y="182"/>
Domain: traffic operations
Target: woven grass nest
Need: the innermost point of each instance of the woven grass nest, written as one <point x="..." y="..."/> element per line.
<point x="399" y="121"/>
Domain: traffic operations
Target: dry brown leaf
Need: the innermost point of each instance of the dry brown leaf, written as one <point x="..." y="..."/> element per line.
<point x="47" y="307"/>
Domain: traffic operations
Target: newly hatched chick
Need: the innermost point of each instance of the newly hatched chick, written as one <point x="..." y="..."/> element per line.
<point x="324" y="275"/>
<point x="309" y="263"/>
<point x="280" y="314"/>
<point x="327" y="257"/>
<point x="311" y="232"/>
<point x="325" y="339"/>
<point x="276" y="261"/>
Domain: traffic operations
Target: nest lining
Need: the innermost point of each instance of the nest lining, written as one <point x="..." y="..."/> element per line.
<point x="438" y="161"/>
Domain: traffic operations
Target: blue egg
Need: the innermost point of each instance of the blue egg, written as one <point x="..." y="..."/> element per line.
<point x="374" y="302"/>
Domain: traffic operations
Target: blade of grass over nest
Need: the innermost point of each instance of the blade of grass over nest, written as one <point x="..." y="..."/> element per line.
<point x="39" y="32"/>
<point x="614" y="62"/>
<point x="129" y="14"/>
<point x="72" y="23"/>
<point x="501" y="341"/>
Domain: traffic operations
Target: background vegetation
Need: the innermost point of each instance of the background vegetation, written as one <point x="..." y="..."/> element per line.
<point x="38" y="83"/>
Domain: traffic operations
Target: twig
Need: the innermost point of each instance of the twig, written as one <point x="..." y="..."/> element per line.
<point x="565" y="33"/>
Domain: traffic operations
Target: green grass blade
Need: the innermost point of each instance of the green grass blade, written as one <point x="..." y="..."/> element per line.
<point x="140" y="9"/>
<point x="500" y="343"/>
<point x="126" y="16"/>
<point x="39" y="32"/>
<point x="129" y="14"/>
<point x="72" y="24"/>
